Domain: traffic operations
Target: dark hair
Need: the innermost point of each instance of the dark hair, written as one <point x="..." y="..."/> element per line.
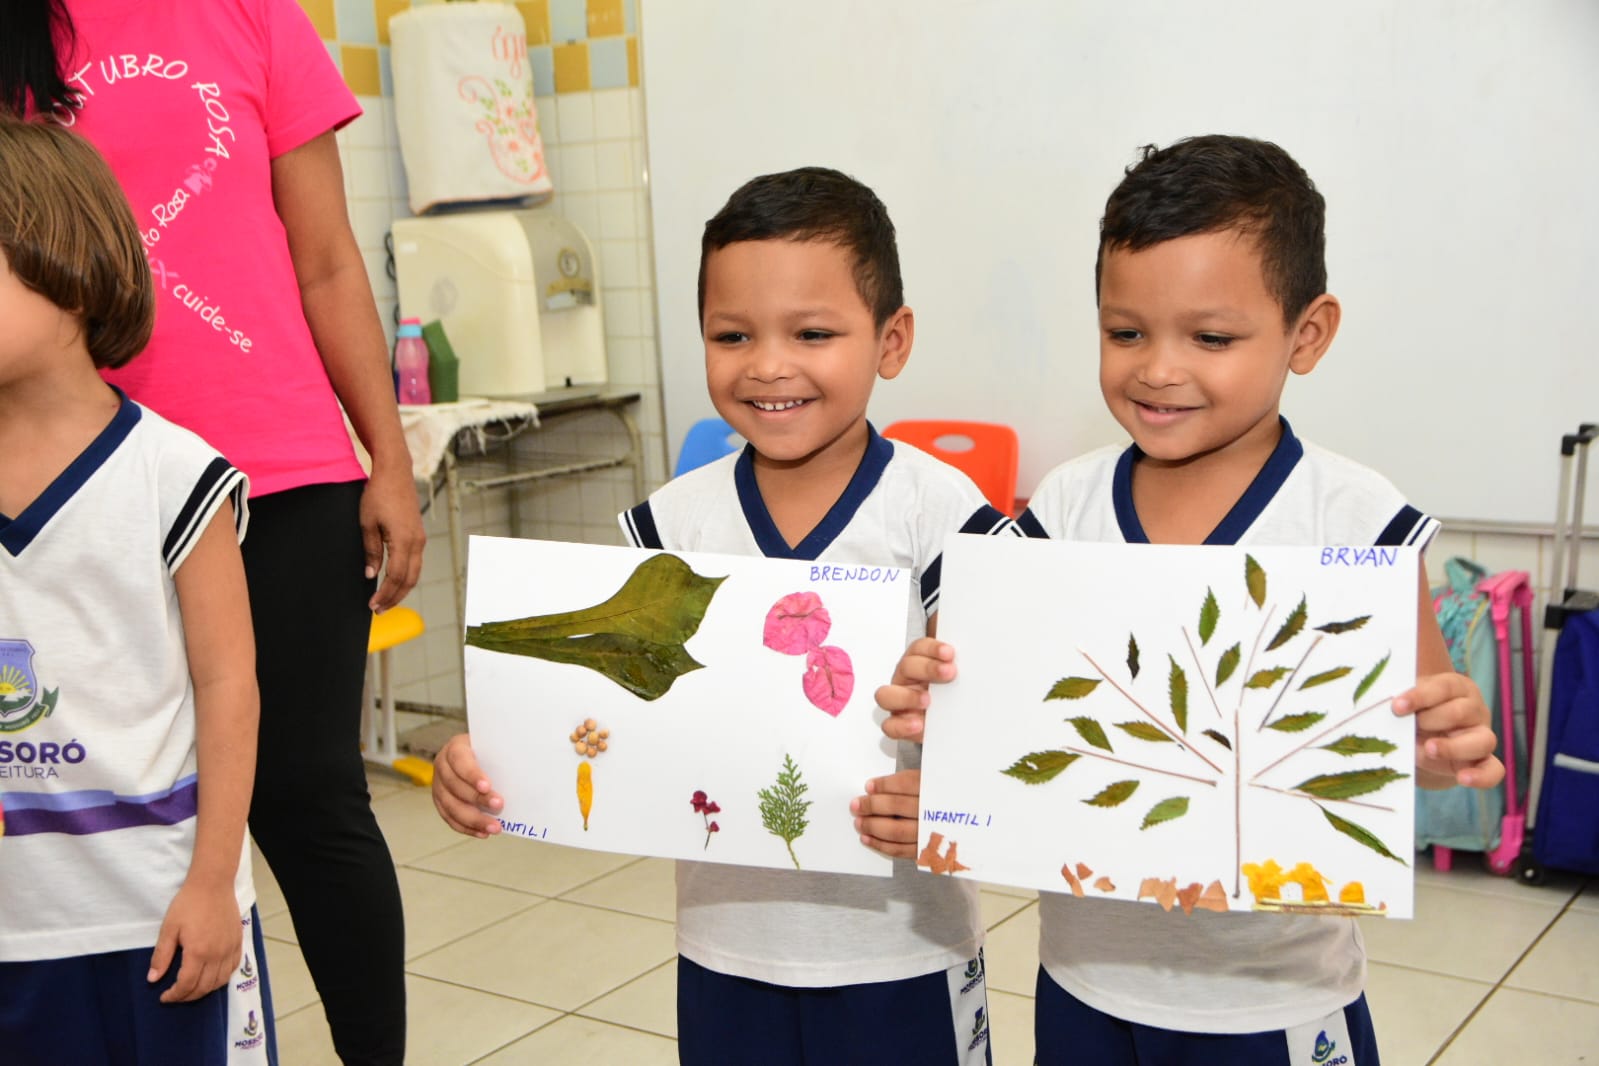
<point x="31" y="33"/>
<point x="815" y="204"/>
<point x="1217" y="182"/>
<point x="68" y="234"/>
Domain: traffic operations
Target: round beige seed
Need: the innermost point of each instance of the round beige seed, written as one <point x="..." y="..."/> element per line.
<point x="581" y="747"/>
<point x="589" y="724"/>
<point x="601" y="745"/>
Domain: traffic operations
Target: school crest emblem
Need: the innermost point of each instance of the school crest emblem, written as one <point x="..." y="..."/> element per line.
<point x="21" y="702"/>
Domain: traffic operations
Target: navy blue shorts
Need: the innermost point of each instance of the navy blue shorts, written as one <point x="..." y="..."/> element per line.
<point x="937" y="1019"/>
<point x="1068" y="1032"/>
<point x="99" y="1009"/>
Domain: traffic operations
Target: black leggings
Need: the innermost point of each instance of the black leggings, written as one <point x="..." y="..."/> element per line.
<point x="312" y="814"/>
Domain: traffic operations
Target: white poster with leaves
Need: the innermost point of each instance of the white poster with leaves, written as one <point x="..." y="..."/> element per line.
<point x="684" y="705"/>
<point x="1196" y="727"/>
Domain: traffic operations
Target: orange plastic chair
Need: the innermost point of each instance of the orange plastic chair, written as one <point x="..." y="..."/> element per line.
<point x="986" y="452"/>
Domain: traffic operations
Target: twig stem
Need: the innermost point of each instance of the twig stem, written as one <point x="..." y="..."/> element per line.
<point x="1288" y="684"/>
<point x="1141" y="766"/>
<point x="1321" y="799"/>
<point x="1199" y="668"/>
<point x="1318" y="736"/>
<point x="1128" y="696"/>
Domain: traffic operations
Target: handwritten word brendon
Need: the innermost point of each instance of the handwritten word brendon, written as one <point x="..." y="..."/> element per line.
<point x="880" y="575"/>
<point x="1359" y="556"/>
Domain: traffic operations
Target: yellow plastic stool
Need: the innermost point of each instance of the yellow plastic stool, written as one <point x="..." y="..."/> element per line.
<point x="390" y="629"/>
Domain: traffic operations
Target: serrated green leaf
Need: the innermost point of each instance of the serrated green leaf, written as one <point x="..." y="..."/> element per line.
<point x="1209" y="614"/>
<point x="1072" y="688"/>
<point x="1113" y="795"/>
<point x="1356" y="745"/>
<point x="1325" y="677"/>
<point x="1290" y="627"/>
<point x="1177" y="685"/>
<point x="1296" y="723"/>
<point x="1091" y="732"/>
<point x="1344" y="627"/>
<point x="1267" y="678"/>
<point x="1040" y="766"/>
<point x="1371" y="678"/>
<point x="1165" y="811"/>
<point x="1220" y="738"/>
<point x="1359" y="834"/>
<point x="1349" y="783"/>
<point x="1132" y="655"/>
<point x="1255" y="580"/>
<point x="1143" y="731"/>
<point x="1228" y="663"/>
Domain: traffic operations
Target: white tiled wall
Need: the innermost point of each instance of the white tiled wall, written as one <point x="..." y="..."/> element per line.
<point x="594" y="146"/>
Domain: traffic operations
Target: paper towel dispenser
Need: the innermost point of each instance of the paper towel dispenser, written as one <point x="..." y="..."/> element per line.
<point x="518" y="293"/>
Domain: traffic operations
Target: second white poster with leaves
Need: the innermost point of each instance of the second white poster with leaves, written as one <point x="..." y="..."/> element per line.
<point x="1196" y="727"/>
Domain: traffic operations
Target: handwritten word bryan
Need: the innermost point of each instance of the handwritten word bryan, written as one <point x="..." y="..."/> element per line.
<point x="865" y="574"/>
<point x="1359" y="556"/>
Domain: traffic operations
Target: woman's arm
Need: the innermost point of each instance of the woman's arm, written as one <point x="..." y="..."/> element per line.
<point x="308" y="189"/>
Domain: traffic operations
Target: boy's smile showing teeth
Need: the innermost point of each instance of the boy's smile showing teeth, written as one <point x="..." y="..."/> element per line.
<point x="777" y="405"/>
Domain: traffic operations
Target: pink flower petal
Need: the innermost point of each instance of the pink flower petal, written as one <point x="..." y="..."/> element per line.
<point x="797" y="623"/>
<point x="713" y="808"/>
<point x="829" y="678"/>
<point x="714" y="828"/>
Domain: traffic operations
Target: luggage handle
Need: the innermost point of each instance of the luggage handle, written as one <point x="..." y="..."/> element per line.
<point x="1564" y="597"/>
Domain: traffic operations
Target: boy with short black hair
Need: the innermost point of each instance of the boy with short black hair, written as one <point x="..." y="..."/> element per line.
<point x="128" y="697"/>
<point x="1211" y="289"/>
<point x="801" y="308"/>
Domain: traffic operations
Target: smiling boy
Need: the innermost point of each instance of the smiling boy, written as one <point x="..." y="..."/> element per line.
<point x="802" y="310"/>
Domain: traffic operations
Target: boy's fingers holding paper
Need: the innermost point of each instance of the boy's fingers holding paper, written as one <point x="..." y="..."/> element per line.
<point x="461" y="793"/>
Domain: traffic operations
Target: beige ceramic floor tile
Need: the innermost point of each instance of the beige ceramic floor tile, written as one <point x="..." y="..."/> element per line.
<point x="576" y="1041"/>
<point x="1415" y="1012"/>
<point x="1011" y="954"/>
<point x="384" y="782"/>
<point x="289" y="980"/>
<point x="268" y="896"/>
<point x="450" y="1025"/>
<point x="1566" y="960"/>
<point x="996" y="907"/>
<point x="650" y="1002"/>
<point x="304" y="1040"/>
<point x="647" y="887"/>
<point x="411" y="825"/>
<point x="1010" y="1028"/>
<point x="1469" y="875"/>
<point x="1010" y="890"/>
<point x="557" y="954"/>
<point x="1474" y="935"/>
<point x="542" y="869"/>
<point x="1589" y="900"/>
<point x="1525" y="1029"/>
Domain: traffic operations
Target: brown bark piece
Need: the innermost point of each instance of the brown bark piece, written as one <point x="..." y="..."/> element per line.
<point x="1187" y="897"/>
<point x="1083" y="871"/>
<point x="1072" y="879"/>
<point x="929" y="856"/>
<point x="1104" y="885"/>
<point x="1214" y="898"/>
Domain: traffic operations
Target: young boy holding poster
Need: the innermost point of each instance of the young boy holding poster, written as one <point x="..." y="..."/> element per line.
<point x="1212" y="288"/>
<point x="801" y="308"/>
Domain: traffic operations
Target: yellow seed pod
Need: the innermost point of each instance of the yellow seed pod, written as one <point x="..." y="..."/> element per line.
<point x="585" y="791"/>
<point x="1353" y="892"/>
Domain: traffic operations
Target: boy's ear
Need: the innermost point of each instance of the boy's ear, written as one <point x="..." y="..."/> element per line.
<point x="1318" y="325"/>
<point x="894" y="343"/>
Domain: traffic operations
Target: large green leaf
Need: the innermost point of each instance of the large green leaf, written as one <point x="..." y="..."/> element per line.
<point x="1113" y="795"/>
<point x="1072" y="688"/>
<point x="1143" y="731"/>
<point x="1177" y="685"/>
<point x="1290" y="627"/>
<point x="1040" y="766"/>
<point x="1359" y="834"/>
<point x="1267" y="678"/>
<point x="645" y="669"/>
<point x="1344" y="627"/>
<point x="1227" y="664"/>
<point x="1209" y="614"/>
<point x="1165" y="811"/>
<point x="663" y="602"/>
<point x="1325" y="677"/>
<point x="1255" y="580"/>
<point x="1132" y="655"/>
<point x="1349" y="783"/>
<point x="1091" y="732"/>
<point x="1351" y="744"/>
<point x="1371" y="678"/>
<point x="1296" y="723"/>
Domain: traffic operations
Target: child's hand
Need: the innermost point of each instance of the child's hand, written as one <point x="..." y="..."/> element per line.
<point x="204" y="922"/>
<point x="906" y="698"/>
<point x="461" y="792"/>
<point x="886" y="816"/>
<point x="1454" y="742"/>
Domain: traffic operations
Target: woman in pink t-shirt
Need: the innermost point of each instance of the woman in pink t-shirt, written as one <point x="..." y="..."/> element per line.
<point x="217" y="119"/>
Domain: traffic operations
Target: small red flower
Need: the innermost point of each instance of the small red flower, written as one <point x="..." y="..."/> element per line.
<point x="713" y="808"/>
<point x="704" y="806"/>
<point x="699" y="802"/>
<point x="714" y="828"/>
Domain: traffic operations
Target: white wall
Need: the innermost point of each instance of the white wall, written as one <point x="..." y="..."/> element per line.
<point x="1456" y="141"/>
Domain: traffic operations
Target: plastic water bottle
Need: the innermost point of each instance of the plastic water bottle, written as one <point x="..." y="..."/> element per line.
<point x="411" y="363"/>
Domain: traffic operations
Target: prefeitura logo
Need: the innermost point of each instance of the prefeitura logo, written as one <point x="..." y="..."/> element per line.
<point x="21" y="704"/>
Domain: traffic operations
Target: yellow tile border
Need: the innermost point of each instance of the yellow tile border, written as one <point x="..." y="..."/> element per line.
<point x="320" y="12"/>
<point x="536" y="14"/>
<point x="572" y="67"/>
<point x="383" y="10"/>
<point x="360" y="62"/>
<point x="605" y="18"/>
<point x="632" y="61"/>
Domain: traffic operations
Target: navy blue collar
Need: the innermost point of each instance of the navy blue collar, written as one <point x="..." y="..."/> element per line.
<point x="1231" y="529"/>
<point x="17" y="533"/>
<point x="838" y="517"/>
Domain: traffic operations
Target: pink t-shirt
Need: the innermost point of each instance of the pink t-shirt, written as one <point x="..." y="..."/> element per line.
<point x="190" y="101"/>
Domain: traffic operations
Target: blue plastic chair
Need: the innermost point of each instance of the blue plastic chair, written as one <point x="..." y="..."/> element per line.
<point x="706" y="441"/>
